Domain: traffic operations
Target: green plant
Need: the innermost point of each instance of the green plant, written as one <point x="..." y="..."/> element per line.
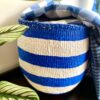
<point x="11" y="33"/>
<point x="9" y="91"/>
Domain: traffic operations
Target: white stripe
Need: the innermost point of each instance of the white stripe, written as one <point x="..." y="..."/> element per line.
<point x="52" y="90"/>
<point x="27" y="10"/>
<point x="60" y="21"/>
<point x="52" y="47"/>
<point x="43" y="3"/>
<point x="53" y="72"/>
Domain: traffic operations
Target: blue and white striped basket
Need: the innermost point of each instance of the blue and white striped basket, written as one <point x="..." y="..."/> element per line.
<point x="53" y="56"/>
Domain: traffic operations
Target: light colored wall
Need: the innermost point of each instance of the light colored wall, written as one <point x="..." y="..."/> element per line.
<point x="10" y="11"/>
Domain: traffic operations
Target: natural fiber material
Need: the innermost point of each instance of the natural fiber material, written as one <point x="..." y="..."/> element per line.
<point x="54" y="57"/>
<point x="54" y="10"/>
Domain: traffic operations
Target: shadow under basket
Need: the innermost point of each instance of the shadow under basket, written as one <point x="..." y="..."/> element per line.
<point x="53" y="57"/>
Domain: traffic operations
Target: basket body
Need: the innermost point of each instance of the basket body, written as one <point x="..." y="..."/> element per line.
<point x="53" y="57"/>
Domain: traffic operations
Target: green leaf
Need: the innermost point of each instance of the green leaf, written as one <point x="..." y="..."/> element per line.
<point x="10" y="91"/>
<point x="11" y="33"/>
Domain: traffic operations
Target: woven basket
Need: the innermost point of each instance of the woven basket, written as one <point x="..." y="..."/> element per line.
<point x="53" y="57"/>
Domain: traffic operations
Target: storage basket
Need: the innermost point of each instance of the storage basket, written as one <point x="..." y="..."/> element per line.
<point x="53" y="57"/>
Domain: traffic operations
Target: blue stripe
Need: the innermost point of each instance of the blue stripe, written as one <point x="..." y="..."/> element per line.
<point x="58" y="33"/>
<point x="31" y="14"/>
<point x="53" y="82"/>
<point x="49" y="8"/>
<point x="52" y="61"/>
<point x="75" y="10"/>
